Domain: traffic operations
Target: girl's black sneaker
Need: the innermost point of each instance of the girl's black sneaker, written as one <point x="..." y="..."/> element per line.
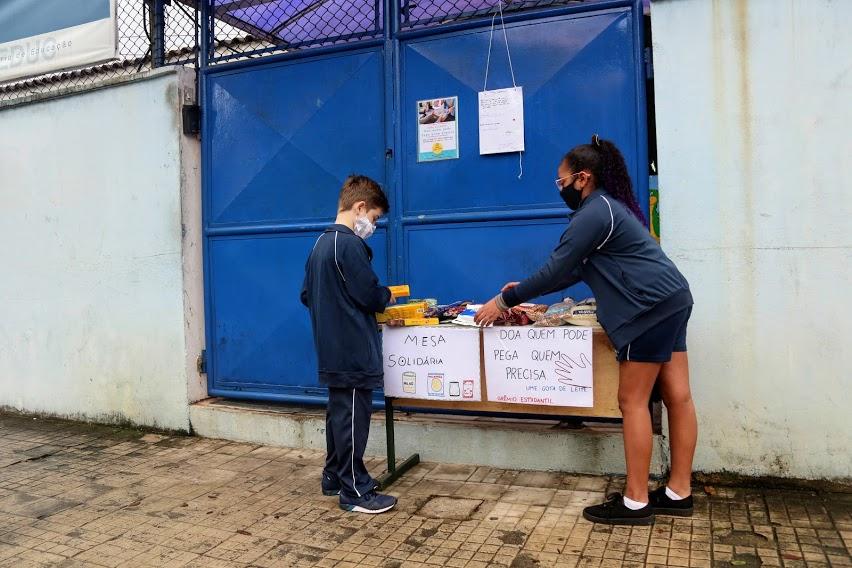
<point x="614" y="512"/>
<point x="664" y="505"/>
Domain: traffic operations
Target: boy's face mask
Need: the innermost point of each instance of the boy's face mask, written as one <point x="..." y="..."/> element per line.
<point x="363" y="227"/>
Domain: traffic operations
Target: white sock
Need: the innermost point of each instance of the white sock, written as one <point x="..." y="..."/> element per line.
<point x="634" y="505"/>
<point x="672" y="495"/>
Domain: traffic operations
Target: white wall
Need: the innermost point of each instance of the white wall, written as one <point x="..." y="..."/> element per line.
<point x="754" y="123"/>
<point x="101" y="310"/>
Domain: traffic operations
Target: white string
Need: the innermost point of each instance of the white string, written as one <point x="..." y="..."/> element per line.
<point x="511" y="67"/>
<point x="488" y="61"/>
<point x="491" y="41"/>
<point x="506" y="39"/>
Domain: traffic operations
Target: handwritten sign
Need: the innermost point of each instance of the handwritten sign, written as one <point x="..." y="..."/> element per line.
<point x="545" y="366"/>
<point x="501" y="121"/>
<point x="433" y="363"/>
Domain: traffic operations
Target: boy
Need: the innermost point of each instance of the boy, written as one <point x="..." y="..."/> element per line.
<point x="343" y="295"/>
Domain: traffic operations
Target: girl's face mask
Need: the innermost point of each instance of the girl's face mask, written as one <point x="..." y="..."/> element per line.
<point x="571" y="196"/>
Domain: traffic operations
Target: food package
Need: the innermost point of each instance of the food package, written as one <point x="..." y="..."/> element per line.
<point x="556" y="315"/>
<point x="402" y="311"/>
<point x="466" y="317"/>
<point x="533" y="311"/>
<point x="584" y="314"/>
<point x="412" y="322"/>
<point x="523" y="314"/>
<point x="401" y="291"/>
<point x="447" y="312"/>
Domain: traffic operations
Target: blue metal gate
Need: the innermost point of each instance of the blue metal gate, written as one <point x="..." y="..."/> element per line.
<point x="281" y="134"/>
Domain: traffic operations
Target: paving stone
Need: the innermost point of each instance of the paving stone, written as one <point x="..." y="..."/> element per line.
<point x="83" y="496"/>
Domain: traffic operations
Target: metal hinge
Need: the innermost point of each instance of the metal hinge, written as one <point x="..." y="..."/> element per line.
<point x="201" y="362"/>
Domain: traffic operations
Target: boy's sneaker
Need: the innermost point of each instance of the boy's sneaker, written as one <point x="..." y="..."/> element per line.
<point x="372" y="503"/>
<point x="664" y="505"/>
<point x="331" y="486"/>
<point x="614" y="512"/>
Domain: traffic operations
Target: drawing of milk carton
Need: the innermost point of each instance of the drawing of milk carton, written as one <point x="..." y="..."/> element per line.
<point x="436" y="384"/>
<point x="409" y="382"/>
<point x="455" y="389"/>
<point x="468" y="389"/>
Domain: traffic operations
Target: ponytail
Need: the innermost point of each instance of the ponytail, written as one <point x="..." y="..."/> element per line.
<point x="606" y="163"/>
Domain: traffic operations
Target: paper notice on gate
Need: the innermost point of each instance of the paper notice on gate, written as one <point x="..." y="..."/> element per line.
<point x="501" y="121"/>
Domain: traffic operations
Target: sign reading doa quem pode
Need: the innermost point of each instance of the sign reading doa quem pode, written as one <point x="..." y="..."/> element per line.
<point x="432" y="363"/>
<point x="550" y="366"/>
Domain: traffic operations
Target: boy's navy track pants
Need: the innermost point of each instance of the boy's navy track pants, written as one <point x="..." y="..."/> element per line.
<point x="347" y="426"/>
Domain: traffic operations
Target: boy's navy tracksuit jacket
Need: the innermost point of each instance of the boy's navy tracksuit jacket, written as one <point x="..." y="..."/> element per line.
<point x="343" y="295"/>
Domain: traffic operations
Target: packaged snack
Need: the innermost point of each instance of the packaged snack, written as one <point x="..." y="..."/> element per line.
<point x="402" y="311"/>
<point x="557" y="314"/>
<point x="585" y="314"/>
<point x="447" y="312"/>
<point x="411" y="322"/>
<point x="408" y="322"/>
<point x="401" y="291"/>
<point x="466" y="317"/>
<point x="533" y="311"/>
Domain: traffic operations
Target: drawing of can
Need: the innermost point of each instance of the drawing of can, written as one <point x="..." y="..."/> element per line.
<point x="436" y="384"/>
<point x="468" y="389"/>
<point x="455" y="389"/>
<point x="409" y="382"/>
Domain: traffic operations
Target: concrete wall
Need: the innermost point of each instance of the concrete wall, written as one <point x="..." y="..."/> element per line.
<point x="506" y="443"/>
<point x="101" y="304"/>
<point x="754" y="115"/>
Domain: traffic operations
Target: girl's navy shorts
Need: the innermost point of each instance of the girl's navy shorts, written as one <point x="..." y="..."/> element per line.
<point x="658" y="343"/>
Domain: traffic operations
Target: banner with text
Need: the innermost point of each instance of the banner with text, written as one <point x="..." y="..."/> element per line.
<point x="42" y="36"/>
<point x="546" y="366"/>
<point x="432" y="363"/>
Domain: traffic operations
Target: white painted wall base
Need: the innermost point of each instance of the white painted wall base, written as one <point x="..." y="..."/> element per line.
<point x="101" y="296"/>
<point x="508" y="444"/>
<point x="754" y="114"/>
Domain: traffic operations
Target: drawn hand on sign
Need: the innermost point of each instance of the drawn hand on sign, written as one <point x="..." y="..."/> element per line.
<point x="566" y="364"/>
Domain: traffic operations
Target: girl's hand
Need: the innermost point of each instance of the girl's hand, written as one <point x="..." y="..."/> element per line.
<point x="487" y="314"/>
<point x="509" y="286"/>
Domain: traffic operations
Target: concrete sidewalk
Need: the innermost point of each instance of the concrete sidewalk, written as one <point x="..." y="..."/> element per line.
<point x="75" y="495"/>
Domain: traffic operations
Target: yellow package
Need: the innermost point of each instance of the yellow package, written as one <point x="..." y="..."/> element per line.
<point x="403" y="311"/>
<point x="420" y="321"/>
<point x="401" y="291"/>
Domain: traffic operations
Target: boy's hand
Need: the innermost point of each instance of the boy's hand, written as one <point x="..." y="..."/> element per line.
<point x="487" y="314"/>
<point x="509" y="286"/>
<point x="392" y="300"/>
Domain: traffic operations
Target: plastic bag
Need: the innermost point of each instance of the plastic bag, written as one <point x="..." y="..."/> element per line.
<point x="556" y="315"/>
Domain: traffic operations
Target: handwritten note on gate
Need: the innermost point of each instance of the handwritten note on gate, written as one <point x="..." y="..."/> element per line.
<point x="546" y="366"/>
<point x="433" y="363"/>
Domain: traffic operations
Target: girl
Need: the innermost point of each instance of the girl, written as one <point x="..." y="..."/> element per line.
<point x="644" y="304"/>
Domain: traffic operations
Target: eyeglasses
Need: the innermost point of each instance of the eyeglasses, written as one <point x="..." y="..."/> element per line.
<point x="559" y="184"/>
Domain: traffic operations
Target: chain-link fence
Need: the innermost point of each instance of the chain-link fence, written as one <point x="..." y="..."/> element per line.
<point x="140" y="47"/>
<point x="245" y="29"/>
<point x="153" y="33"/>
<point x="250" y="28"/>
<point x="424" y="13"/>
